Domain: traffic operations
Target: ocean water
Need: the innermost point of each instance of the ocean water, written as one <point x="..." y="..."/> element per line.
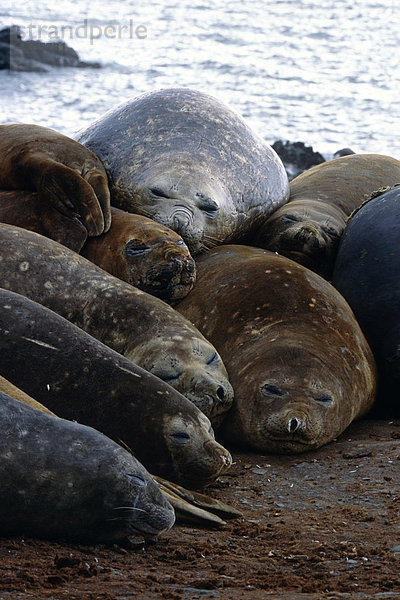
<point x="322" y="72"/>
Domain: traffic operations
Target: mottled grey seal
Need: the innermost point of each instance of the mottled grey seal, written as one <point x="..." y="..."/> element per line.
<point x="79" y="378"/>
<point x="307" y="229"/>
<point x="299" y="364"/>
<point x="141" y="327"/>
<point x="63" y="480"/>
<point x="64" y="173"/>
<point x="186" y="160"/>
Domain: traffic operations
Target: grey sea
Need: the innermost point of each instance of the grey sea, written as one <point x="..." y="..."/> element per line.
<point x="322" y="72"/>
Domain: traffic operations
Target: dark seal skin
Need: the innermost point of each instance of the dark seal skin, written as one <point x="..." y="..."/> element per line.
<point x="299" y="364"/>
<point x="145" y="254"/>
<point x="367" y="274"/>
<point x="184" y="159"/>
<point x="64" y="173"/>
<point x="24" y="209"/>
<point x="62" y="480"/>
<point x="136" y="249"/>
<point x="12" y="390"/>
<point x="77" y="377"/>
<point x="143" y="328"/>
<point x="307" y="229"/>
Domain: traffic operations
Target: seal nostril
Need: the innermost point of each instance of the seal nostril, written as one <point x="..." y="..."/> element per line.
<point x="293" y="425"/>
<point x="221" y="392"/>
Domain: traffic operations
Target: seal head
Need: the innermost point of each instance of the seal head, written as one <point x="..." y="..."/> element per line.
<point x="184" y="159"/>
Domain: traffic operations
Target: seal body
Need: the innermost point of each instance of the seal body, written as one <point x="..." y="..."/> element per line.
<point x="141" y="327"/>
<point x="64" y="173"/>
<point x="63" y="480"/>
<point x="186" y="160"/>
<point x="307" y="229"/>
<point x="79" y="378"/>
<point x="299" y="364"/>
<point x="10" y="389"/>
<point x="144" y="253"/>
<point x="367" y="274"/>
<point x="25" y="209"/>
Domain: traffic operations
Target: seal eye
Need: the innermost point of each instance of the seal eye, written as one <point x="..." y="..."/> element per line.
<point x="181" y="436"/>
<point x="290" y="219"/>
<point x="137" y="479"/>
<point x="325" y="399"/>
<point x="158" y="192"/>
<point x="272" y="390"/>
<point x="169" y="378"/>
<point x="207" y="204"/>
<point x="133" y="248"/>
<point x="214" y="359"/>
<point x="211" y="432"/>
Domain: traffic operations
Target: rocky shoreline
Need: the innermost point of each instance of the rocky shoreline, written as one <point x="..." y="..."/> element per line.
<point x="17" y="54"/>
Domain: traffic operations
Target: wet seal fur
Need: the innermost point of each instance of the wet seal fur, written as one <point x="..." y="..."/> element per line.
<point x="64" y="173"/>
<point x="79" y="378"/>
<point x="307" y="229"/>
<point x="62" y="480"/>
<point x="141" y="327"/>
<point x="189" y="162"/>
<point x="367" y="274"/>
<point x="299" y="364"/>
<point x="145" y="254"/>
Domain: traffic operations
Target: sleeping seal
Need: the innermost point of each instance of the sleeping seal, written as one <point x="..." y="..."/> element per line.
<point x="299" y="364"/>
<point x="189" y="162"/>
<point x="64" y="173"/>
<point x="62" y="480"/>
<point x="141" y="327"/>
<point x="136" y="249"/>
<point x="307" y="229"/>
<point x="79" y="378"/>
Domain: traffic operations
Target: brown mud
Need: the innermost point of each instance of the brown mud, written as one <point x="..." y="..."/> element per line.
<point x="318" y="525"/>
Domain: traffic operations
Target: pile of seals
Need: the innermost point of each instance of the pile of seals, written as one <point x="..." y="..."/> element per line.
<point x="177" y="202"/>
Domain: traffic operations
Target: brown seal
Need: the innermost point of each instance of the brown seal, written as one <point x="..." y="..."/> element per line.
<point x="141" y="327"/>
<point x="63" y="480"/>
<point x="64" y="173"/>
<point x="144" y="253"/>
<point x="24" y="209"/>
<point x="136" y="249"/>
<point x="299" y="364"/>
<point x="189" y="162"/>
<point x="307" y="229"/>
<point x="79" y="378"/>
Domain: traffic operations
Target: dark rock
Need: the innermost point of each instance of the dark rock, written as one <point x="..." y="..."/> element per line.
<point x="297" y="157"/>
<point x="34" y="55"/>
<point x="343" y="152"/>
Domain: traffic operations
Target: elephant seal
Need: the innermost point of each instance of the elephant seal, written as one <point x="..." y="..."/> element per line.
<point x="299" y="364"/>
<point x="141" y="327"/>
<point x="367" y="274"/>
<point x="79" y="378"/>
<point x="24" y="209"/>
<point x="64" y="173"/>
<point x="136" y="249"/>
<point x="184" y="159"/>
<point x="307" y="229"/>
<point x="63" y="480"/>
<point x="144" y="253"/>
